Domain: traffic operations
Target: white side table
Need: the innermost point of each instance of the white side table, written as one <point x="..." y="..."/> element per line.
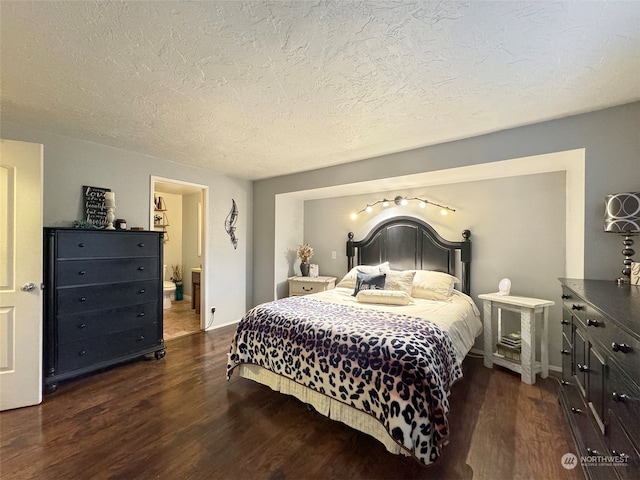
<point x="528" y="308"/>
<point x="307" y="285"/>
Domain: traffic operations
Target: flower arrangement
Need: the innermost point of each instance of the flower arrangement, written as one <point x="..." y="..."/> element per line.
<point x="305" y="252"/>
<point x="177" y="274"/>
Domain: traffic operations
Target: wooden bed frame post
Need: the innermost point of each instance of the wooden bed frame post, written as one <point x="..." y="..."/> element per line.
<point x="351" y="251"/>
<point x="465" y="258"/>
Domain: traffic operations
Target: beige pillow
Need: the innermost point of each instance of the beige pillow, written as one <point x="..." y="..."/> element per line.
<point x="399" y="280"/>
<point x="384" y="297"/>
<point x="349" y="280"/>
<point x="433" y="285"/>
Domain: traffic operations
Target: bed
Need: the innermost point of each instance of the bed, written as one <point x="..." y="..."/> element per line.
<point x="381" y="350"/>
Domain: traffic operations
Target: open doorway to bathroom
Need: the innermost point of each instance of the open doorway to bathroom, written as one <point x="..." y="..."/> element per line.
<point x="177" y="209"/>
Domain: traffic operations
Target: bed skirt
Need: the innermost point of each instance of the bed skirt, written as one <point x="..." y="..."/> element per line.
<point x="324" y="405"/>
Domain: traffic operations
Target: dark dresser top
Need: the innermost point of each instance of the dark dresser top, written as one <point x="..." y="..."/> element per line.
<point x="621" y="303"/>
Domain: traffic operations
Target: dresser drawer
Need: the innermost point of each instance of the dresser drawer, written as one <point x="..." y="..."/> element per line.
<point x="574" y="304"/>
<point x="88" y="244"/>
<point x="87" y="325"/>
<point x="307" y="285"/>
<point x="567" y="325"/>
<point x="624" y="401"/>
<point x="623" y="348"/>
<point x="88" y="352"/>
<point x="85" y="272"/>
<point x="621" y="446"/>
<point x="98" y="297"/>
<point x="567" y="359"/>
<point x="588" y="438"/>
<point x="619" y="344"/>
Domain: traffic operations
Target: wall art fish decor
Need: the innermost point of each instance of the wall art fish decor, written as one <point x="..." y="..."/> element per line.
<point x="230" y="223"/>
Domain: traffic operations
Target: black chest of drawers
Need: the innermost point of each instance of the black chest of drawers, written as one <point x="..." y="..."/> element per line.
<point x="102" y="300"/>
<point x="600" y="390"/>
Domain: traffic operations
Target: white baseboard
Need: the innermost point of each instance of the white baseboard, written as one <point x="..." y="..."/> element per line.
<point x="215" y="327"/>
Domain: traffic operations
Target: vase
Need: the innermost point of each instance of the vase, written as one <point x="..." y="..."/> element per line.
<point x="179" y="292"/>
<point x="304" y="269"/>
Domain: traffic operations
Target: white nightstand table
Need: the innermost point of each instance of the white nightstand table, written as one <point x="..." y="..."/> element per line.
<point x="306" y="285"/>
<point x="528" y="308"/>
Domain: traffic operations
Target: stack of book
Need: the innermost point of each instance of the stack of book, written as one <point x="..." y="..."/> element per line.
<point x="509" y="346"/>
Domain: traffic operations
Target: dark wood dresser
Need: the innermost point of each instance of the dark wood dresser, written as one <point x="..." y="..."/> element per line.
<point x="600" y="390"/>
<point x="102" y="300"/>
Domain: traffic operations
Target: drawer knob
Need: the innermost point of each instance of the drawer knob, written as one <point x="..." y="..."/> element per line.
<point x="141" y="314"/>
<point x="619" y="397"/>
<point x="564" y="322"/>
<point x="82" y="325"/>
<point x="576" y="307"/>
<point x="82" y="353"/>
<point x="307" y="289"/>
<point x="141" y="268"/>
<point x="564" y="382"/>
<point x="141" y="290"/>
<point x="81" y="245"/>
<point x="141" y="244"/>
<point x="565" y="352"/>
<point x="620" y="347"/>
<point x="582" y="368"/>
<point x="591" y="451"/>
<point x="576" y="410"/>
<point x="83" y="299"/>
<point x="566" y="296"/>
<point x="141" y="338"/>
<point x="592" y="323"/>
<point x="81" y="272"/>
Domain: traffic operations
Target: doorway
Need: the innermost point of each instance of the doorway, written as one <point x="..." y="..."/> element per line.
<point x="177" y="208"/>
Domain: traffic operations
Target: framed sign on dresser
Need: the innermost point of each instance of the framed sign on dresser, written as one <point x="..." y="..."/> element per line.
<point x="102" y="300"/>
<point x="600" y="390"/>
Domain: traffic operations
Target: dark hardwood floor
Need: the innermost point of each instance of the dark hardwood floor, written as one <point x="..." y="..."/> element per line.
<point x="178" y="418"/>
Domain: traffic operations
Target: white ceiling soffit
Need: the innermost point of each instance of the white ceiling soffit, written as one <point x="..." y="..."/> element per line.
<point x="258" y="89"/>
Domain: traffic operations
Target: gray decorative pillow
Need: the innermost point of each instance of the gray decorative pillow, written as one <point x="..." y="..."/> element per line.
<point x="349" y="280"/>
<point x="367" y="281"/>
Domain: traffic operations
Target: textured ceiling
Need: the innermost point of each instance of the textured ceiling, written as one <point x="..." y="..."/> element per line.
<point x="258" y="89"/>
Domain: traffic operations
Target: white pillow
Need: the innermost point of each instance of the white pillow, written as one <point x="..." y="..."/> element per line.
<point x="385" y="297"/>
<point x="433" y="285"/>
<point x="399" y="280"/>
<point x="349" y="280"/>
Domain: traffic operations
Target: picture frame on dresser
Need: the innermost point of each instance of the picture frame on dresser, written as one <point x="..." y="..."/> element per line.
<point x="600" y="387"/>
<point x="102" y="300"/>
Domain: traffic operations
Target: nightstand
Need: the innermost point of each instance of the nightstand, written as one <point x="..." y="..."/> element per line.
<point x="306" y="285"/>
<point x="527" y="367"/>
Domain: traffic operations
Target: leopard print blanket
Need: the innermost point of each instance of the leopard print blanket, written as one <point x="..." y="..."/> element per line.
<point x="396" y="368"/>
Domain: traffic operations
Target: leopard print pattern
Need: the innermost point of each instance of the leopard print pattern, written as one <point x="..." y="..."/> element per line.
<point x="395" y="367"/>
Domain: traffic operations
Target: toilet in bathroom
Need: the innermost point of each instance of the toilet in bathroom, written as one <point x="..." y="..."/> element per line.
<point x="168" y="289"/>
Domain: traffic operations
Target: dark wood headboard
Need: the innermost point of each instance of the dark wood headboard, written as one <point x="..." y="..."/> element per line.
<point x="408" y="243"/>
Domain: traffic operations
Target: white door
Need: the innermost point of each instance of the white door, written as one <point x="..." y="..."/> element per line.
<point x="20" y="274"/>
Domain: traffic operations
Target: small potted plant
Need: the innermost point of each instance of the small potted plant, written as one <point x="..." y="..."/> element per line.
<point x="305" y="252"/>
<point x="177" y="279"/>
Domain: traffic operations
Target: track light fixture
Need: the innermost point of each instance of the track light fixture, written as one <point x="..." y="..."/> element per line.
<point x="402" y="201"/>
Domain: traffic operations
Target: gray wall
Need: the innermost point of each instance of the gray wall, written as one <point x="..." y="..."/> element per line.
<point x="70" y="163"/>
<point x="611" y="142"/>
<point x="610" y="138"/>
<point x="518" y="236"/>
